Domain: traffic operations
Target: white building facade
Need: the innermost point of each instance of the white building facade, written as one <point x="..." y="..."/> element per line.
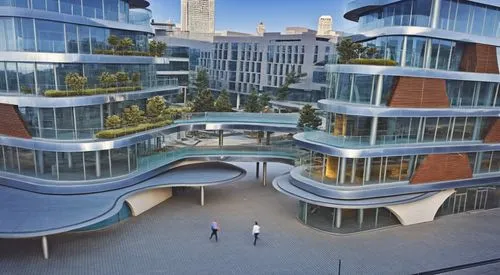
<point x="198" y="16"/>
<point x="325" y="25"/>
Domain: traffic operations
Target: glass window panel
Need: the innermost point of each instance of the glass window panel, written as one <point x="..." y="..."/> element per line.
<point x="495" y="162"/>
<point x="64" y="69"/>
<point x="90" y="165"/>
<point x="415" y="51"/>
<point x="11" y="159"/>
<point x="47" y="123"/>
<point x="88" y="119"/>
<point x="65" y="123"/>
<point x="99" y="39"/>
<point x="12" y="82"/>
<point x="52" y="5"/>
<point x="104" y="157"/>
<point x="47" y="167"/>
<point x="443" y="59"/>
<point x="458" y="128"/>
<point x="20" y="3"/>
<point x="442" y="128"/>
<point x="469" y="128"/>
<point x="111" y="10"/>
<point x="486" y="93"/>
<point x="119" y="161"/>
<point x="478" y="19"/>
<point x="491" y="21"/>
<point x="73" y="7"/>
<point x="25" y="34"/>
<point x="3" y="79"/>
<point x="50" y="36"/>
<point x="393" y="169"/>
<point x="462" y="17"/>
<point x="421" y="12"/>
<point x="27" y="162"/>
<point x="363" y="86"/>
<point x="84" y="37"/>
<point x="71" y="38"/>
<point x="429" y="129"/>
<point x="93" y="8"/>
<point x="70" y="166"/>
<point x="485" y="162"/>
<point x="26" y="72"/>
<point x="7" y="34"/>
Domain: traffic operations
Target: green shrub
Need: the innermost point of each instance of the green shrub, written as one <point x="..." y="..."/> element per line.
<point x="114" y="133"/>
<point x="132" y="115"/>
<point x="155" y="107"/>
<point x="125" y="44"/>
<point x="122" y="78"/>
<point x="87" y="92"/>
<point x="379" y="62"/>
<point x="136" y="78"/>
<point x="75" y="81"/>
<point x="113" y="122"/>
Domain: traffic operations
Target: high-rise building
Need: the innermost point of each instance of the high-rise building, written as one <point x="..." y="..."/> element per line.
<point x="261" y="29"/>
<point x="198" y="16"/>
<point x="325" y="25"/>
<point x="416" y="134"/>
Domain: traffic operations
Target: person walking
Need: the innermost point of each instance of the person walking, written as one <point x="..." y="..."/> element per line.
<point x="255" y="232"/>
<point x="215" y="228"/>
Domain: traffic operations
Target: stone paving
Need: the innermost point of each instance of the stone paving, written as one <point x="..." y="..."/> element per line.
<point x="172" y="238"/>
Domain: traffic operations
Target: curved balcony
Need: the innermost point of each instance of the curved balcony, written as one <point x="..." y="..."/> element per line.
<point x="140" y="16"/>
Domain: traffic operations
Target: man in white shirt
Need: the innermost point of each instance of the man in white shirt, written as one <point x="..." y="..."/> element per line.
<point x="255" y="232"/>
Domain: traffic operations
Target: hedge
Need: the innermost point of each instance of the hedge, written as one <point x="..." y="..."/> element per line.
<point x="114" y="133"/>
<point x="373" y="61"/>
<point x="127" y="53"/>
<point x="96" y="91"/>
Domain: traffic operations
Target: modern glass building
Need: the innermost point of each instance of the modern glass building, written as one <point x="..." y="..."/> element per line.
<point x="47" y="130"/>
<point x="408" y="142"/>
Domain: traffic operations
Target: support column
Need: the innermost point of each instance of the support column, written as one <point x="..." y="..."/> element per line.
<point x="353" y="170"/>
<point x="97" y="164"/>
<point x="361" y="215"/>
<point x="403" y="52"/>
<point x="338" y="218"/>
<point x="40" y="162"/>
<point x="342" y="170"/>
<point x="268" y="138"/>
<point x="257" y="170"/>
<point x="70" y="160"/>
<point x="184" y="90"/>
<point x="264" y="173"/>
<point x="202" y="195"/>
<point x="238" y="100"/>
<point x="221" y="138"/>
<point x="45" y="248"/>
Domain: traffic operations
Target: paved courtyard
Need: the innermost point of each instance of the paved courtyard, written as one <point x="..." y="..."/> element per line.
<point x="172" y="238"/>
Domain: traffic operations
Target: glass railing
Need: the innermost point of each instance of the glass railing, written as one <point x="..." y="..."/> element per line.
<point x="92" y="89"/>
<point x="159" y="159"/>
<point x="381" y="140"/>
<point x="90" y="133"/>
<point x="140" y="17"/>
<point x="240" y="117"/>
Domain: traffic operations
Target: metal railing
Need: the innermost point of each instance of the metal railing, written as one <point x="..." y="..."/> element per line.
<point x="240" y="117"/>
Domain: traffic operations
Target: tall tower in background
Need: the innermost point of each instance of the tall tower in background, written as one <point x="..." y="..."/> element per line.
<point x="261" y="29"/>
<point x="325" y="25"/>
<point x="198" y="16"/>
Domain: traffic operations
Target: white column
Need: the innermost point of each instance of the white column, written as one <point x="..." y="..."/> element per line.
<point x="403" y="52"/>
<point x="97" y="164"/>
<point x="45" y="248"/>
<point x="221" y="138"/>
<point x="202" y="196"/>
<point x="238" y="99"/>
<point x="70" y="160"/>
<point x="264" y="173"/>
<point x="342" y="170"/>
<point x="361" y="214"/>
<point x="436" y="10"/>
<point x="338" y="218"/>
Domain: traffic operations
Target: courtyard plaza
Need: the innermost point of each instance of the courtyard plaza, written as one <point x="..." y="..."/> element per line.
<point x="172" y="238"/>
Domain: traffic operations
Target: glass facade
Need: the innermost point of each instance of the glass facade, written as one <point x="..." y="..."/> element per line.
<point x="362" y="89"/>
<point x="34" y="35"/>
<point x="455" y="15"/>
<point x="35" y="78"/>
<point x="114" y="10"/>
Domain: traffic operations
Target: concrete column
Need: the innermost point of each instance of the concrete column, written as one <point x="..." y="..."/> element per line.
<point x="342" y="170"/>
<point x="221" y="138"/>
<point x="268" y="138"/>
<point x="373" y="131"/>
<point x="368" y="169"/>
<point x="40" y="162"/>
<point x="45" y="248"/>
<point x="264" y="173"/>
<point x="184" y="90"/>
<point x="97" y="164"/>
<point x="361" y="214"/>
<point x="238" y="100"/>
<point x="353" y="170"/>
<point x="202" y="196"/>
<point x="70" y="160"/>
<point x="428" y="53"/>
<point x="436" y="10"/>
<point x="257" y="170"/>
<point x="338" y="218"/>
<point x="403" y="52"/>
<point x="477" y="129"/>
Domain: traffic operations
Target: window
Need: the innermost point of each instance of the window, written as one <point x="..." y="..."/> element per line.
<point x="92" y="8"/>
<point x="84" y="39"/>
<point x="71" y="38"/>
<point x="73" y="7"/>
<point x="50" y="36"/>
<point x="25" y="34"/>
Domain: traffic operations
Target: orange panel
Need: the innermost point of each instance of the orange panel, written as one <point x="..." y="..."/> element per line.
<point x="493" y="134"/>
<point x="11" y="123"/>
<point x="415" y="92"/>
<point x="442" y="167"/>
<point x="479" y="58"/>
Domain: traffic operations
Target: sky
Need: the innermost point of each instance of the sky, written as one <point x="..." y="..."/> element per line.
<point x="244" y="15"/>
